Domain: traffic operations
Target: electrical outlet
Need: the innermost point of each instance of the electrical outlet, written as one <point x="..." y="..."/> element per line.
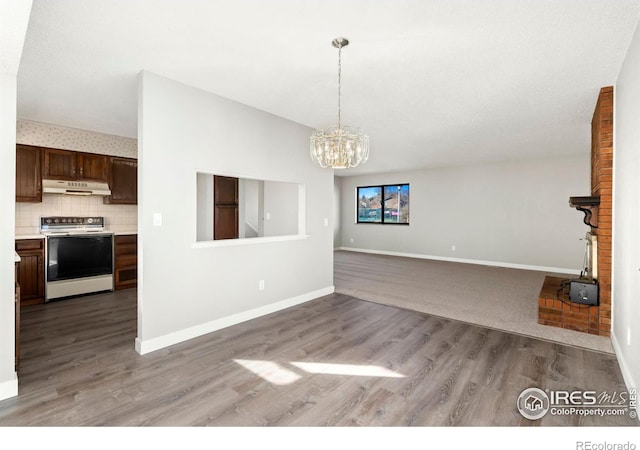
<point x="453" y="248"/>
<point x="261" y="285"/>
<point x="157" y="219"/>
<point x="326" y="222"/>
<point x="351" y="240"/>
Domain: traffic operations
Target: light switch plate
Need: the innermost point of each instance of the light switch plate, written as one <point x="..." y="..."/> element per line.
<point x="157" y="219"/>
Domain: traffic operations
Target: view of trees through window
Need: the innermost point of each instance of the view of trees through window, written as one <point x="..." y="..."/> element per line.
<point x="383" y="204"/>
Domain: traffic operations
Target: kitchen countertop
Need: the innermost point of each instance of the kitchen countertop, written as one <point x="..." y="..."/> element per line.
<point x="41" y="236"/>
<point x="30" y="236"/>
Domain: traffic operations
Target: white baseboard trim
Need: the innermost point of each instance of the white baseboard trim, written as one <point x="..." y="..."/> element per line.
<point x="624" y="367"/>
<point x="465" y="261"/>
<point x="151" y="345"/>
<point x="9" y="388"/>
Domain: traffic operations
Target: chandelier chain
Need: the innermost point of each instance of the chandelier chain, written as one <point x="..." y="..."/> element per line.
<point x="339" y="86"/>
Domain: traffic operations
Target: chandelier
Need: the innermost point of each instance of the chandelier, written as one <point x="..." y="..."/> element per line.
<point x="339" y="147"/>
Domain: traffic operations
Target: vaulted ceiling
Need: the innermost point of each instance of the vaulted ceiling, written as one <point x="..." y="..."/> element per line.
<point x="433" y="82"/>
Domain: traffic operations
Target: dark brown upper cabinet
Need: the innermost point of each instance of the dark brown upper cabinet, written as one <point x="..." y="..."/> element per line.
<point x="123" y="181"/>
<point x="93" y="167"/>
<point x="70" y="165"/>
<point x="28" y="179"/>
<point x="225" y="207"/>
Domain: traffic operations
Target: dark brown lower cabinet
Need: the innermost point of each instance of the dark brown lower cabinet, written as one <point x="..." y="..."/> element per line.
<point x="126" y="261"/>
<point x="31" y="270"/>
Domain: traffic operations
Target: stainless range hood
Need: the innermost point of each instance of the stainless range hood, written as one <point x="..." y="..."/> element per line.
<point x="75" y="187"/>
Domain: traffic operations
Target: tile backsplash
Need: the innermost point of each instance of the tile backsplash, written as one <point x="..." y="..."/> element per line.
<point x="118" y="218"/>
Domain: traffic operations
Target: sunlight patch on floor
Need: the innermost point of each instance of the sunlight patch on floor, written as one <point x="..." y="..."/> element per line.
<point x="277" y="374"/>
<point x="270" y="371"/>
<point x="358" y="370"/>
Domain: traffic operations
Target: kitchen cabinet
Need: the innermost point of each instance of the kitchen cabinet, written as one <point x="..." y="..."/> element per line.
<point x="31" y="270"/>
<point x="126" y="261"/>
<point x="225" y="207"/>
<point x="123" y="181"/>
<point x="59" y="164"/>
<point x="69" y="165"/>
<point x="28" y="178"/>
<point x="93" y="167"/>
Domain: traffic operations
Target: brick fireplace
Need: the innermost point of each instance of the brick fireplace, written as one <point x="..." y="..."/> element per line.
<point x="554" y="307"/>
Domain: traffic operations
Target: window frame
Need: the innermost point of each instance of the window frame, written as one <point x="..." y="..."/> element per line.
<point x="382" y="188"/>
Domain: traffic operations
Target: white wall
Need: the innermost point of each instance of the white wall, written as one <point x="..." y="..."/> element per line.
<point x="253" y="204"/>
<point x="8" y="379"/>
<point x="626" y="216"/>
<point x="204" y="182"/>
<point x="281" y="208"/>
<point x="510" y="213"/>
<point x="13" y="23"/>
<point x="187" y="289"/>
<point x="337" y="216"/>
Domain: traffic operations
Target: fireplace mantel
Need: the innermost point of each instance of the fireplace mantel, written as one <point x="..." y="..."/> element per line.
<point x="589" y="206"/>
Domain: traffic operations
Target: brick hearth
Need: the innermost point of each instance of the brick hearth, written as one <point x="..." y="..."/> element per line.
<point x="555" y="309"/>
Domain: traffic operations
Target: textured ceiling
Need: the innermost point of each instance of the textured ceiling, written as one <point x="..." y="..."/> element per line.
<point x="434" y="83"/>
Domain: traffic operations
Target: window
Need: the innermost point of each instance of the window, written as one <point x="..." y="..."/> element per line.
<point x="383" y="204"/>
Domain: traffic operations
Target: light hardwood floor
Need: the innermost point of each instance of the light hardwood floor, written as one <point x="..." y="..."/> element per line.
<point x="79" y="367"/>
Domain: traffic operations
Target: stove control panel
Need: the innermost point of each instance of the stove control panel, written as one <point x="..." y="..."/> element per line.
<point x="52" y="223"/>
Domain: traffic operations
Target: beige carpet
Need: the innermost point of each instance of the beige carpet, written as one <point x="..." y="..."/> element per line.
<point x="494" y="297"/>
